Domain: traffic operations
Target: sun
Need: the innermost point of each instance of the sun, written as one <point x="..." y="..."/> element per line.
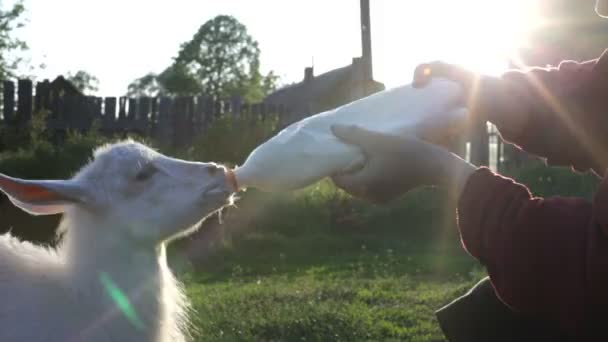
<point x="480" y="35"/>
<point x="491" y="32"/>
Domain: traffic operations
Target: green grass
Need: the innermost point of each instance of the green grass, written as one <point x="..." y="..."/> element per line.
<point x="319" y="266"/>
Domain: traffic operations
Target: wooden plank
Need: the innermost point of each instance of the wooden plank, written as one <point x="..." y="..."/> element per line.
<point x="209" y="112"/>
<point x="165" y="124"/>
<point x="218" y="110"/>
<point x="42" y="96"/>
<point x="8" y="110"/>
<point x="199" y="114"/>
<point x="189" y="114"/>
<point x="24" y="101"/>
<point x="154" y="110"/>
<point x="180" y="123"/>
<point x="122" y="111"/>
<point x="263" y="111"/>
<point x="236" y="102"/>
<point x="132" y="110"/>
<point x="109" y="114"/>
<point x="143" y="114"/>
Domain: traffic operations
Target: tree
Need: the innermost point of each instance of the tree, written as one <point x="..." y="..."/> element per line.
<point x="10" y="20"/>
<point x="84" y="81"/>
<point x="221" y="60"/>
<point x="146" y="85"/>
<point x="222" y="56"/>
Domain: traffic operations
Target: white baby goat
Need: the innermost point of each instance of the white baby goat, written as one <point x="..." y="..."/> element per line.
<point x="108" y="280"/>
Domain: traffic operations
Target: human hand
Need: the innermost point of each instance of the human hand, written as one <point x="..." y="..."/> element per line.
<point x="488" y="98"/>
<point x="395" y="165"/>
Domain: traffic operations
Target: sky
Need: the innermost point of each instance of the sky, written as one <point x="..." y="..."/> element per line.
<point x="121" y="40"/>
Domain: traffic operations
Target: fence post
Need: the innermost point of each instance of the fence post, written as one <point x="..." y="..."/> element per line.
<point x="131" y="114"/>
<point x="263" y="111"/>
<point x="165" y="124"/>
<point x="180" y="121"/>
<point x="24" y="101"/>
<point x="209" y="115"/>
<point x="143" y="115"/>
<point x="109" y="114"/>
<point x="122" y="112"/>
<point x="218" y="110"/>
<point x="42" y="96"/>
<point x="236" y="105"/>
<point x="9" y="101"/>
<point x="480" y="148"/>
<point x="199" y="115"/>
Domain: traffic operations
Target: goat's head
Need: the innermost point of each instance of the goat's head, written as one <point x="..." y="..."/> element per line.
<point x="129" y="185"/>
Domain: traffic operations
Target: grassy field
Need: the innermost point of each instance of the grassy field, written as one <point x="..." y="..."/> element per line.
<point x="318" y="266"/>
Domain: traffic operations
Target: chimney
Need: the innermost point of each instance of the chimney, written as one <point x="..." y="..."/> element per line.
<point x="366" y="40"/>
<point x="308" y="74"/>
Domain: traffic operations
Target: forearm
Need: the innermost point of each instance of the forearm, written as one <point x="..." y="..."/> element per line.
<point x="548" y="112"/>
<point x="534" y="249"/>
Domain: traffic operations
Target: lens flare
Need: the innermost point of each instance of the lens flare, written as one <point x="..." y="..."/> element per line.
<point x="121" y="300"/>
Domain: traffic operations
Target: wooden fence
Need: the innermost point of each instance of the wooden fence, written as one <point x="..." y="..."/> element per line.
<point x="173" y="121"/>
<point x="176" y="121"/>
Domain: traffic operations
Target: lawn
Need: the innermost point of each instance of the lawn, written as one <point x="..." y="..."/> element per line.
<point x="318" y="266"/>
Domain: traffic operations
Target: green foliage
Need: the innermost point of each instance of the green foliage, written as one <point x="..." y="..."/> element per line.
<point x="230" y="139"/>
<point x="84" y="81"/>
<point x="40" y="158"/>
<point x="146" y="85"/>
<point x="222" y="56"/>
<point x="220" y="61"/>
<point x="10" y="20"/>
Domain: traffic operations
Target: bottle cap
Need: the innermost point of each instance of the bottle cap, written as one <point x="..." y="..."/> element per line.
<point x="231" y="180"/>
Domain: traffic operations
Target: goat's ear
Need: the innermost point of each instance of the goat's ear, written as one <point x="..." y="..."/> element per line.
<point x="42" y="197"/>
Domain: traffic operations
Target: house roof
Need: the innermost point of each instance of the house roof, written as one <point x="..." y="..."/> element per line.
<point x="316" y="89"/>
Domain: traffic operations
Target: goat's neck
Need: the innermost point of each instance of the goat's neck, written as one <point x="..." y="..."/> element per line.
<point x="97" y="259"/>
<point x="91" y="247"/>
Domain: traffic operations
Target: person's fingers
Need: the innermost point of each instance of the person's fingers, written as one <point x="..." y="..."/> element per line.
<point x="427" y="71"/>
<point x="422" y="75"/>
<point x="355" y="135"/>
<point x="350" y="183"/>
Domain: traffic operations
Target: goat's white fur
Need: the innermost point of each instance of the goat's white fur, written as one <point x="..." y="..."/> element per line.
<point x="112" y="251"/>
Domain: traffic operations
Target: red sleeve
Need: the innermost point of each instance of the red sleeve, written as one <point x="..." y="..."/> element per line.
<point x="538" y="252"/>
<point x="559" y="113"/>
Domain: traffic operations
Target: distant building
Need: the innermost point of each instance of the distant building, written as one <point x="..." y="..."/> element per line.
<point x="333" y="88"/>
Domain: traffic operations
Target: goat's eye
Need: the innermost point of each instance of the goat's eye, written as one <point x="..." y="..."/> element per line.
<point x="145" y="173"/>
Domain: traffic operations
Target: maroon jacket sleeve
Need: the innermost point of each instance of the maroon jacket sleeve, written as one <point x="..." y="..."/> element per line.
<point x="558" y="113"/>
<point x="546" y="257"/>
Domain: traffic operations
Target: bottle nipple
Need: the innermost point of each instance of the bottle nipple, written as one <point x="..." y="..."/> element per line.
<point x="231" y="180"/>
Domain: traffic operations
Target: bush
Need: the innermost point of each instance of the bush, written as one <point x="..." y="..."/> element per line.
<point x="230" y="139"/>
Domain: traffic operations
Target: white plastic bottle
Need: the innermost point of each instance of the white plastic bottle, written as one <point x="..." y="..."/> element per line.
<point x="307" y="151"/>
